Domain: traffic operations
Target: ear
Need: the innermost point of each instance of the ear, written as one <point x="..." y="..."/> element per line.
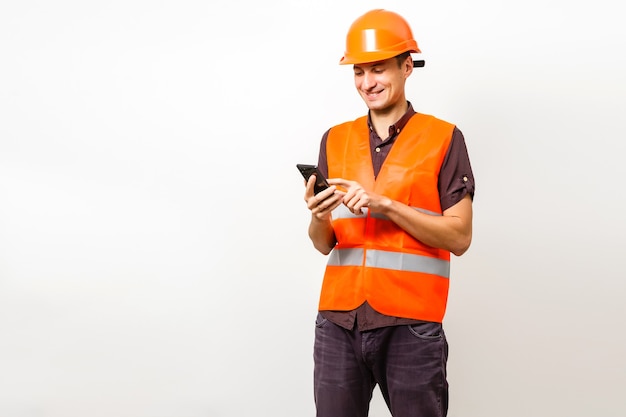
<point x="408" y="66"/>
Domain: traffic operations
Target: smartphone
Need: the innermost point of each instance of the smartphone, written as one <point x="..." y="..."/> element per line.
<point x="308" y="170"/>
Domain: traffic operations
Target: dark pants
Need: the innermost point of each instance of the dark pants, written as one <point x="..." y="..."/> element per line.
<point x="408" y="362"/>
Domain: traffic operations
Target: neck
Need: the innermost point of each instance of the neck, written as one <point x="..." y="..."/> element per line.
<point x="383" y="118"/>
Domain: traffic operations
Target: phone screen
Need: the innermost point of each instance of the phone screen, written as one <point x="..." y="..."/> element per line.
<point x="308" y="170"/>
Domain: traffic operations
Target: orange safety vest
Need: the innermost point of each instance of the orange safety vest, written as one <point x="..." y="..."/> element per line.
<point x="374" y="259"/>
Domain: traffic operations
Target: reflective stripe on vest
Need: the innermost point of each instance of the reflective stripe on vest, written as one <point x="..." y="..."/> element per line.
<point x="397" y="261"/>
<point x="342" y="212"/>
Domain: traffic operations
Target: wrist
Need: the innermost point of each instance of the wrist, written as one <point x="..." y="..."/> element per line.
<point x="324" y="221"/>
<point x="385" y="205"/>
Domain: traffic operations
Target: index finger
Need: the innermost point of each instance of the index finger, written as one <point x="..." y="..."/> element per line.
<point x="340" y="182"/>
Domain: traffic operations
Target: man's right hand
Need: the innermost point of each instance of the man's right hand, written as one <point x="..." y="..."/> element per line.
<point x="322" y="204"/>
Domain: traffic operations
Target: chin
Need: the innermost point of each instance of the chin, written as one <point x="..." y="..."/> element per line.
<point x="373" y="104"/>
<point x="376" y="105"/>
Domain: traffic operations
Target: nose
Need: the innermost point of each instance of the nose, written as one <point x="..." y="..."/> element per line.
<point x="369" y="80"/>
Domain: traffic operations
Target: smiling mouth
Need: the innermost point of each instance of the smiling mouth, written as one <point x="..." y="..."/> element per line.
<point x="373" y="94"/>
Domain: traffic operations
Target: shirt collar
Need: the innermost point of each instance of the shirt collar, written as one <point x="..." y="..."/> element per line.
<point x="397" y="127"/>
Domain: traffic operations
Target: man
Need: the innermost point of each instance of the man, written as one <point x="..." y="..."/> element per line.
<point x="400" y="201"/>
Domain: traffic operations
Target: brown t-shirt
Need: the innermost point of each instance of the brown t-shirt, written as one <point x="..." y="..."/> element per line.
<point x="455" y="181"/>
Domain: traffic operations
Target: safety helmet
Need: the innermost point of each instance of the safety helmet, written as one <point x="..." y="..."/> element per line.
<point x="378" y="35"/>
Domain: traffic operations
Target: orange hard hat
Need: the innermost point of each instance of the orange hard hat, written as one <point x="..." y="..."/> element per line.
<point x="377" y="35"/>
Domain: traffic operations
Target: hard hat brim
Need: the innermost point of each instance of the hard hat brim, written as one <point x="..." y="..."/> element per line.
<point x="367" y="57"/>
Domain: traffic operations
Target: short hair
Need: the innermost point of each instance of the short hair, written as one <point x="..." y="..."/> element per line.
<point x="402" y="57"/>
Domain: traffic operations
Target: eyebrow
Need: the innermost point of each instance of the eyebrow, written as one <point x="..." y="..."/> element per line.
<point x="377" y="64"/>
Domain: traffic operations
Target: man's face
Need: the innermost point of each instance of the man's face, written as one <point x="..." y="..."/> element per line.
<point x="381" y="83"/>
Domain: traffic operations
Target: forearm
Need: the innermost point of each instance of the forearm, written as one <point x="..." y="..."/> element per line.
<point x="322" y="234"/>
<point x="452" y="231"/>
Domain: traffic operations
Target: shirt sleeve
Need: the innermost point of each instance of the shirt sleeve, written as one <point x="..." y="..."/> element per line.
<point x="322" y="161"/>
<point x="456" y="178"/>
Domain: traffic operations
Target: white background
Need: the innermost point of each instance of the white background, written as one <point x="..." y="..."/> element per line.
<point x="153" y="252"/>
